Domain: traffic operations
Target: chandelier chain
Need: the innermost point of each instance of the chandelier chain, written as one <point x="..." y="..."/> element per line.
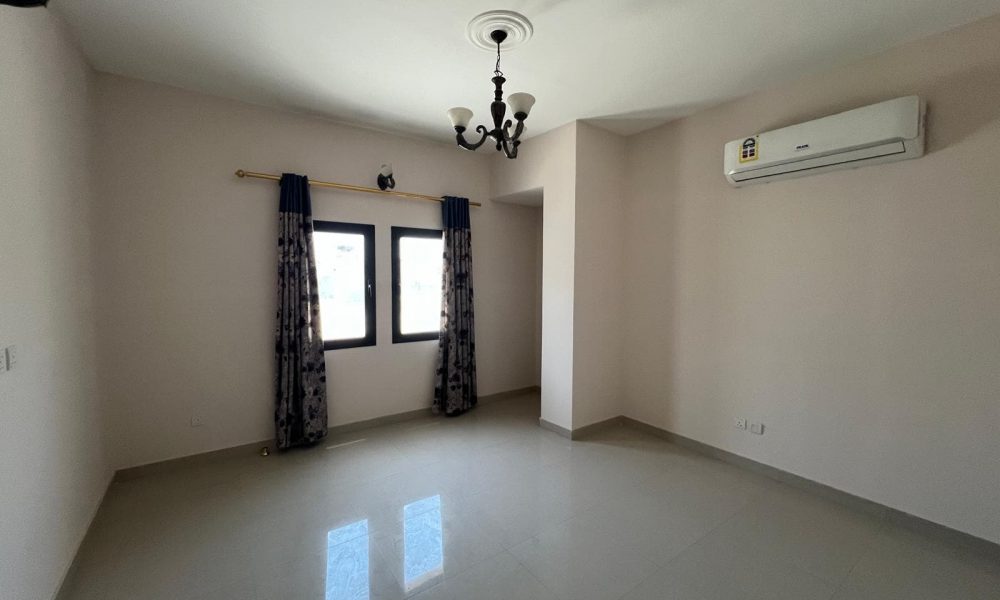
<point x="497" y="70"/>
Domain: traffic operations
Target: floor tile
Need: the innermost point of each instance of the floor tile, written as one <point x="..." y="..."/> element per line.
<point x="821" y="537"/>
<point x="436" y="540"/>
<point x="491" y="506"/>
<point x="713" y="569"/>
<point x="901" y="564"/>
<point x="578" y="562"/>
<point x="500" y="578"/>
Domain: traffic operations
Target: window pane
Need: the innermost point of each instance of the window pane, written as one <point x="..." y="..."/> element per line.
<point x="420" y="261"/>
<point x="340" y="269"/>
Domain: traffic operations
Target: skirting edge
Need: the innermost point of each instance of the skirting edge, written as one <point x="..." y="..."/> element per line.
<point x="589" y="430"/>
<point x="887" y="513"/>
<point x="892" y="515"/>
<point x="557" y="429"/>
<point x="62" y="592"/>
<point x="243" y="449"/>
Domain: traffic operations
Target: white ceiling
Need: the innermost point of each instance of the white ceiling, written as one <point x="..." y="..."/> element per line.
<point x="399" y="65"/>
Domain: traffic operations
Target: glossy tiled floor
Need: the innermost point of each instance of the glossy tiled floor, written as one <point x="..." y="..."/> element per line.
<point x="490" y="506"/>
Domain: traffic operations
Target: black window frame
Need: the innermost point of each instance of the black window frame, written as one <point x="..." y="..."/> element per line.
<point x="368" y="231"/>
<point x="397" y="234"/>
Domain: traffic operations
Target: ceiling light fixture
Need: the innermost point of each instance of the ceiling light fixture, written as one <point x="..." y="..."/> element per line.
<point x="520" y="102"/>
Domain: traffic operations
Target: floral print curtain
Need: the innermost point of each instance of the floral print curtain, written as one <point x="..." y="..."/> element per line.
<point x="300" y="386"/>
<point x="455" y="387"/>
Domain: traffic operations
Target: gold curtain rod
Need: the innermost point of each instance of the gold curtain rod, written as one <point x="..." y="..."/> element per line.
<point x="349" y="187"/>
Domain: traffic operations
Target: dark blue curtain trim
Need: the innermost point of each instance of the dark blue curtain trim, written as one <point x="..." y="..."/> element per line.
<point x="295" y="195"/>
<point x="455" y="212"/>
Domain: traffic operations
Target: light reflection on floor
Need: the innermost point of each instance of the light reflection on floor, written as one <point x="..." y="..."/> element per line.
<point x="423" y="551"/>
<point x="347" y="562"/>
<point x="348" y="548"/>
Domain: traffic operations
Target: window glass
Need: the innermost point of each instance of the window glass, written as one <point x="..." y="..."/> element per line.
<point x="420" y="284"/>
<point x="345" y="272"/>
<point x="417" y="259"/>
<point x="340" y="269"/>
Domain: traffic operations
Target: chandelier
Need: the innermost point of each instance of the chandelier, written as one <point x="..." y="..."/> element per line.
<point x="520" y="105"/>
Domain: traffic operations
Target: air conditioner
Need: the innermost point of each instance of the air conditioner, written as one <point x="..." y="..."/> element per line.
<point x="885" y="132"/>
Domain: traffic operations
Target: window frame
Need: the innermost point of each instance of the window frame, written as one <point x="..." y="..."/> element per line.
<point x="398" y="233"/>
<point x="368" y="231"/>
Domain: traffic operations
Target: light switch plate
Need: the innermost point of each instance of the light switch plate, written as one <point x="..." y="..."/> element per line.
<point x="757" y="428"/>
<point x="3" y="361"/>
<point x="11" y="353"/>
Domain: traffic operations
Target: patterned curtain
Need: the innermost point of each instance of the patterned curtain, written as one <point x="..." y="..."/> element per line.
<point x="455" y="387"/>
<point x="300" y="387"/>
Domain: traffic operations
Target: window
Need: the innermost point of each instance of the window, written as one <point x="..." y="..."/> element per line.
<point x="417" y="257"/>
<point x="345" y="268"/>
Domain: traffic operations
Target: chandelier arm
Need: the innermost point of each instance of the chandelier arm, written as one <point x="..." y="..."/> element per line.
<point x="460" y="136"/>
<point x="510" y="148"/>
<point x="517" y="130"/>
<point x="506" y="130"/>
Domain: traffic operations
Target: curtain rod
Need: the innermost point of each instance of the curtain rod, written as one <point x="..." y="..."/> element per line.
<point x="349" y="187"/>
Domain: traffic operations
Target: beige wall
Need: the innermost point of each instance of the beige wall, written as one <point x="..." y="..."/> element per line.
<point x="598" y="300"/>
<point x="53" y="469"/>
<point x="857" y="313"/>
<point x="548" y="163"/>
<point x="579" y="171"/>
<point x="187" y="256"/>
<point x="538" y="294"/>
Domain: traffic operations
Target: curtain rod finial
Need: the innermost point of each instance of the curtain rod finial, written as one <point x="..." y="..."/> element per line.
<point x="241" y="173"/>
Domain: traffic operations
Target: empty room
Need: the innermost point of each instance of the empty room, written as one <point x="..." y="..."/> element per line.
<point x="579" y="300"/>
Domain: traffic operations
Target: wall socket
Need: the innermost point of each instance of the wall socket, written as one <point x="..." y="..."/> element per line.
<point x="755" y="428"/>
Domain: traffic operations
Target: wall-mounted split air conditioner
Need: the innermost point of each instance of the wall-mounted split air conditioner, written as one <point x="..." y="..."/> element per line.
<point x="885" y="132"/>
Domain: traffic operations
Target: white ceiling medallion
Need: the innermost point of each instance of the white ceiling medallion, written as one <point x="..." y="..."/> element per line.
<point x="517" y="27"/>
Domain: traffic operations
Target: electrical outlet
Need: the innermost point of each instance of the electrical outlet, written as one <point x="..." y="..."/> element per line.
<point x="757" y="428"/>
<point x="196" y="421"/>
<point x="741" y="423"/>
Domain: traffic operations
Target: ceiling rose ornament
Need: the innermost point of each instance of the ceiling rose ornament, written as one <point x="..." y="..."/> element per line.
<point x="520" y="103"/>
<point x="517" y="27"/>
